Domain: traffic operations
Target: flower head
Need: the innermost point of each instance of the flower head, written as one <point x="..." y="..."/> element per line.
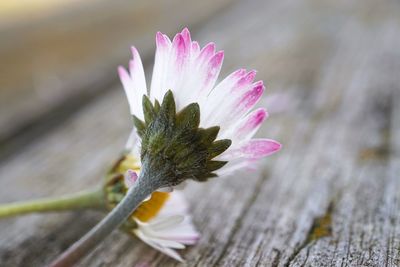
<point x="189" y="73"/>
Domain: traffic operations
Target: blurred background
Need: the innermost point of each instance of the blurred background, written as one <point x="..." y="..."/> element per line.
<point x="332" y="73"/>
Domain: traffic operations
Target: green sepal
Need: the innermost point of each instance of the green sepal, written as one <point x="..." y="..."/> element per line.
<point x="209" y="135"/>
<point x="168" y="107"/>
<point x="214" y="165"/>
<point x="174" y="146"/>
<point x="189" y="116"/>
<point x="157" y="106"/>
<point x="148" y="109"/>
<point x="218" y="147"/>
<point x="139" y="125"/>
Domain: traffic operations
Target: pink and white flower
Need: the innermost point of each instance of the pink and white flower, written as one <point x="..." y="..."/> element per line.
<point x="191" y="73"/>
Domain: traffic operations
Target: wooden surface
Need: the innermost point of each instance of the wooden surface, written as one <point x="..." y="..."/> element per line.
<point x="331" y="197"/>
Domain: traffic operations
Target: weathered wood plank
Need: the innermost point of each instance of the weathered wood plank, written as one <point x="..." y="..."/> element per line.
<point x="53" y="65"/>
<point x="330" y="198"/>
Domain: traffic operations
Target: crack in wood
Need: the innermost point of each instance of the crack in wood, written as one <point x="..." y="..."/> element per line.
<point x="320" y="228"/>
<point x="276" y="260"/>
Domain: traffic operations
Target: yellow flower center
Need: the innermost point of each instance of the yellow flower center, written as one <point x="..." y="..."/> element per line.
<point x="149" y="209"/>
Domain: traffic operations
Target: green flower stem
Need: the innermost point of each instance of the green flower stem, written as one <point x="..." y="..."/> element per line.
<point x="93" y="199"/>
<point x="143" y="187"/>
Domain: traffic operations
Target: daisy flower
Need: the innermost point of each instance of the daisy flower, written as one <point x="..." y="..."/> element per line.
<point x="191" y="74"/>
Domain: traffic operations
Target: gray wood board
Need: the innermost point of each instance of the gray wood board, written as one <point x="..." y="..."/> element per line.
<point x="331" y="197"/>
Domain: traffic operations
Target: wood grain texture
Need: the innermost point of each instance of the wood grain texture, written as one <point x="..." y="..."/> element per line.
<point x="331" y="197"/>
<point x="53" y="65"/>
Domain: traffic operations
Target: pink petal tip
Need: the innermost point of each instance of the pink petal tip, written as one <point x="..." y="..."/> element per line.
<point x="186" y="36"/>
<point x="207" y="51"/>
<point x="248" y="78"/>
<point x="134" y="51"/>
<point x="258" y="148"/>
<point x="251" y="97"/>
<point x="161" y="40"/>
<point x="123" y="74"/>
<point x="255" y="119"/>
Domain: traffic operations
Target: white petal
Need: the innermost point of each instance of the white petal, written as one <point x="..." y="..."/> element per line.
<point x="252" y="149"/>
<point x="168" y="243"/>
<point x="173" y="254"/>
<point x="235" y="165"/>
<point x="160" y="66"/>
<point x="245" y="128"/>
<point x="175" y="205"/>
<point x="169" y="252"/>
<point x="173" y="221"/>
<point x="184" y="232"/>
<point x="219" y="95"/>
<point x="129" y="87"/>
<point x="167" y="189"/>
<point x="166" y="222"/>
<point x="195" y="49"/>
<point x="177" y="70"/>
<point x="134" y="84"/>
<point x="133" y="140"/>
<point x="235" y="105"/>
<point x="137" y="72"/>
